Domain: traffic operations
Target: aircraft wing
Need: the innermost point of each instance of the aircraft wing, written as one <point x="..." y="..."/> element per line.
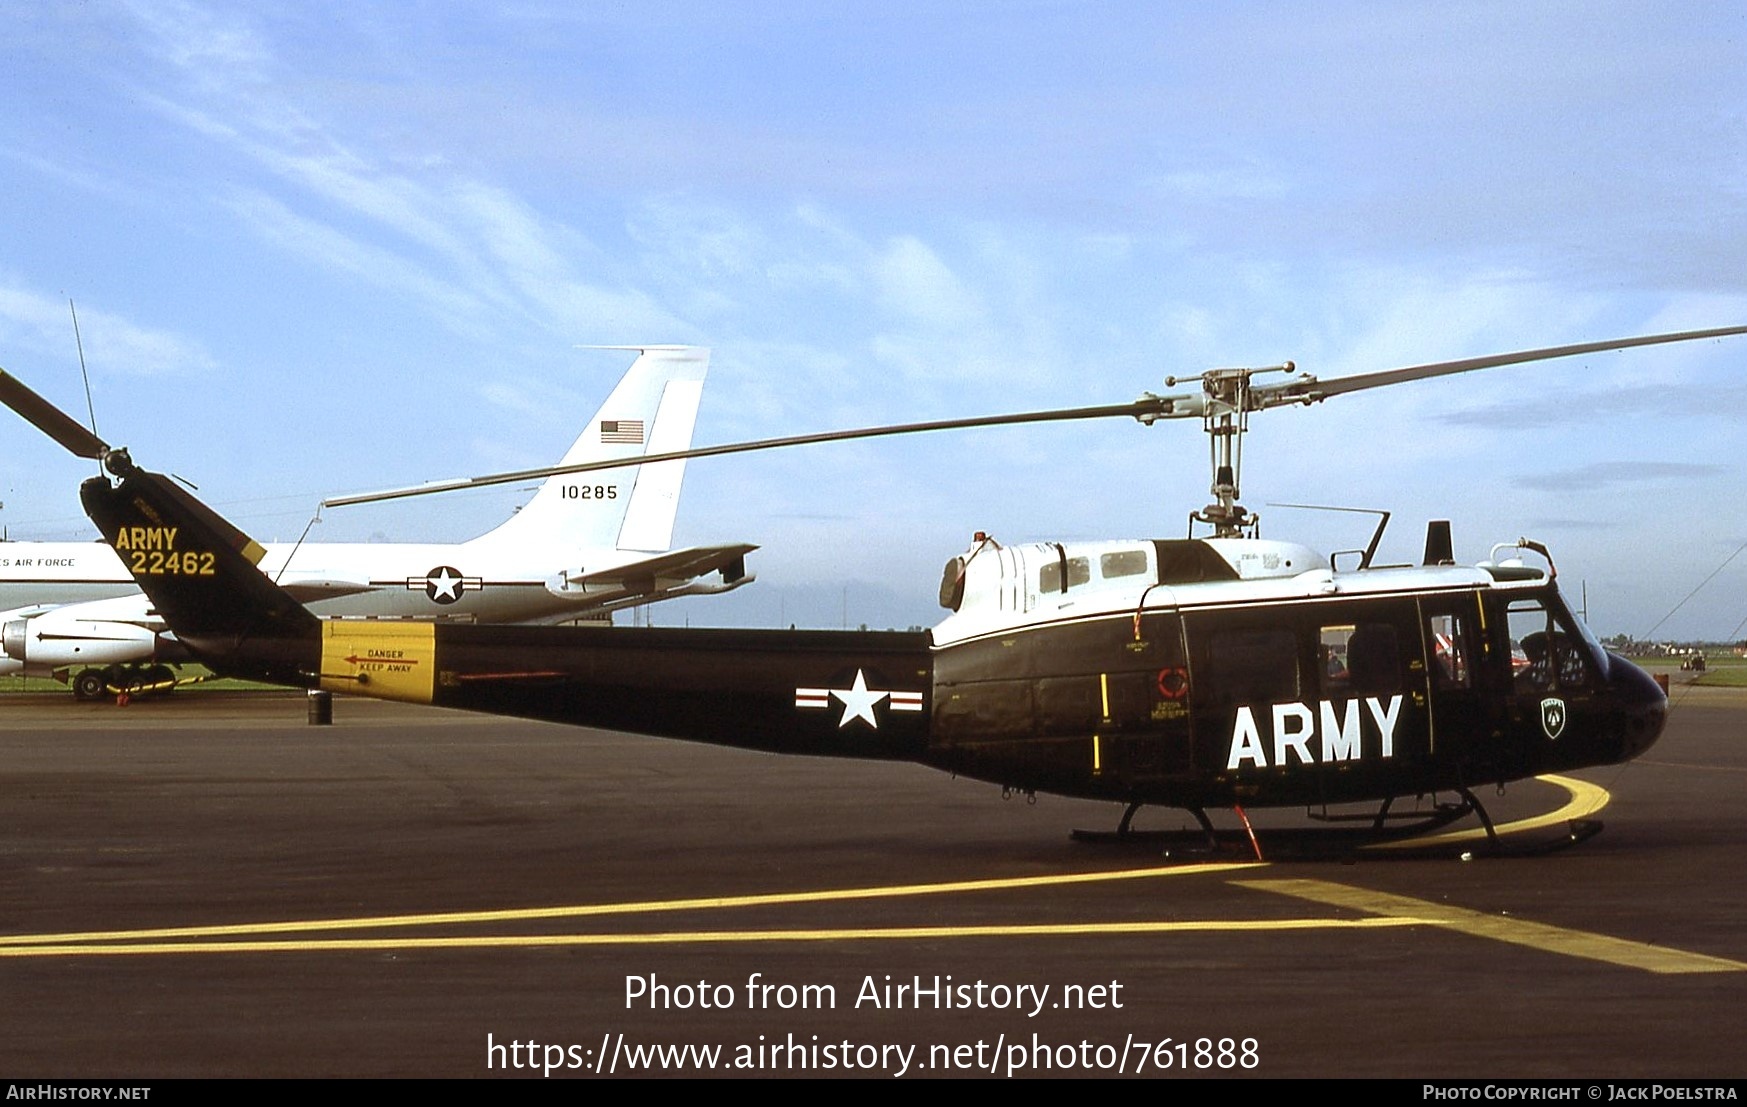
<point x="657" y="577"/>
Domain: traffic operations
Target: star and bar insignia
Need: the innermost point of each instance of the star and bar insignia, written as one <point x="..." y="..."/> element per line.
<point x="444" y="584"/>
<point x="858" y="700"/>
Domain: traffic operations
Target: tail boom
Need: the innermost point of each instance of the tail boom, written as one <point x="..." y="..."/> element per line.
<point x="827" y="693"/>
<point x="832" y="693"/>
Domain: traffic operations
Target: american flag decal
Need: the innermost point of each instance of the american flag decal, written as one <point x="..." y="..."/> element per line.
<point x="622" y="430"/>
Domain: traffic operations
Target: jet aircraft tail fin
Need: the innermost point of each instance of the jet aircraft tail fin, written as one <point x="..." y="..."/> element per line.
<point x="652" y="410"/>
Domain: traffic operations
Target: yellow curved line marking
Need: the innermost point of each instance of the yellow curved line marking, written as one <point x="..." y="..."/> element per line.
<point x="454" y="918"/>
<point x="694" y="937"/>
<point x="1583" y="800"/>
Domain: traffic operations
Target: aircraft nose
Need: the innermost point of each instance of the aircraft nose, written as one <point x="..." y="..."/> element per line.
<point x="1640" y="704"/>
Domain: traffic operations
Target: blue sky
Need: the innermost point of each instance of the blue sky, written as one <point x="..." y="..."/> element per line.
<point x="323" y="248"/>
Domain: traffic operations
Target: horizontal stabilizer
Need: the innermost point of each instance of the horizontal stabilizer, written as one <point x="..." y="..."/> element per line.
<point x="660" y="577"/>
<point x="307" y="590"/>
<point x="693" y="561"/>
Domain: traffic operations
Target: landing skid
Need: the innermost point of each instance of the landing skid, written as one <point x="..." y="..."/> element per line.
<point x="1209" y="840"/>
<point x="1384" y="835"/>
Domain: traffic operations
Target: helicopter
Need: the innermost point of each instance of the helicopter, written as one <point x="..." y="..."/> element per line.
<point x="1224" y="671"/>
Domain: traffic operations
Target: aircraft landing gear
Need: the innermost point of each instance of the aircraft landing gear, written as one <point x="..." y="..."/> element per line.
<point x="128" y="680"/>
<point x="154" y="680"/>
<point x="1125" y="831"/>
<point x="1472" y="802"/>
<point x="90" y="684"/>
<point x="1383" y="833"/>
<point x="1127" y="818"/>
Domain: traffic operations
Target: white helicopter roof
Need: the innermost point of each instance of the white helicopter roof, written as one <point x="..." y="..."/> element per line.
<point x="1002" y="588"/>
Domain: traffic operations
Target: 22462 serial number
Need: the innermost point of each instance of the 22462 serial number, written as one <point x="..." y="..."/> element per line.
<point x="158" y="563"/>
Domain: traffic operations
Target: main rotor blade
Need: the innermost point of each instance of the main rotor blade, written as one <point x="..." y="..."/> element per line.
<point x="1137" y="409"/>
<point x="1146" y="409"/>
<point x="1310" y="391"/>
<point x="50" y="419"/>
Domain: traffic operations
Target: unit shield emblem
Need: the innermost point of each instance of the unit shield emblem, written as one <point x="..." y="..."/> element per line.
<point x="1553" y="716"/>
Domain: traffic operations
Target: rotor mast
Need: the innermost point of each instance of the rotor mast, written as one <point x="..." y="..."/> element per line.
<point x="1224" y="405"/>
<point x="1226" y="420"/>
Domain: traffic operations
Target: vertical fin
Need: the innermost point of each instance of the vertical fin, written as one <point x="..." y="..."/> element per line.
<point x="655" y="499"/>
<point x="653" y="408"/>
<point x="200" y="574"/>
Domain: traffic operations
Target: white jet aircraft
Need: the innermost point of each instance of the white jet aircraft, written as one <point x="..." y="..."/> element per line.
<point x="583" y="545"/>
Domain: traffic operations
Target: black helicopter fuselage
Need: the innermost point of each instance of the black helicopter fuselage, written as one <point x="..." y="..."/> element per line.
<point x="1183" y="673"/>
<point x="1303" y="687"/>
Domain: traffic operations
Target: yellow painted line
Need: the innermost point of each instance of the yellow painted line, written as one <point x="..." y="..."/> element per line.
<point x="1582" y="801"/>
<point x="451" y="918"/>
<point x="1521" y="932"/>
<point x="698" y="937"/>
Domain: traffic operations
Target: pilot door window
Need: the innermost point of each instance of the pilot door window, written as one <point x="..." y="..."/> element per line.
<point x="1545" y="655"/>
<point x="1449" y="642"/>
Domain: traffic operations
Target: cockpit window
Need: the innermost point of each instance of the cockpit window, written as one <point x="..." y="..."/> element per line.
<point x="952" y="584"/>
<point x="1548" y="651"/>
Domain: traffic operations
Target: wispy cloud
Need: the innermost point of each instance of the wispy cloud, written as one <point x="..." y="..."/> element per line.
<point x="459" y="307"/>
<point x="483" y="261"/>
<point x="201" y="39"/>
<point x="1644" y="401"/>
<point x="1603" y="475"/>
<point x="1553" y="524"/>
<point x="915" y="283"/>
<point x="113" y="344"/>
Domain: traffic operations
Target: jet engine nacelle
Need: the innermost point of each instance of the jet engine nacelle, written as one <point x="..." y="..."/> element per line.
<point x="48" y="642"/>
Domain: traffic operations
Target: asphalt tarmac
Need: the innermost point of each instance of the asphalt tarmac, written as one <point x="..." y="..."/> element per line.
<point x="208" y="886"/>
